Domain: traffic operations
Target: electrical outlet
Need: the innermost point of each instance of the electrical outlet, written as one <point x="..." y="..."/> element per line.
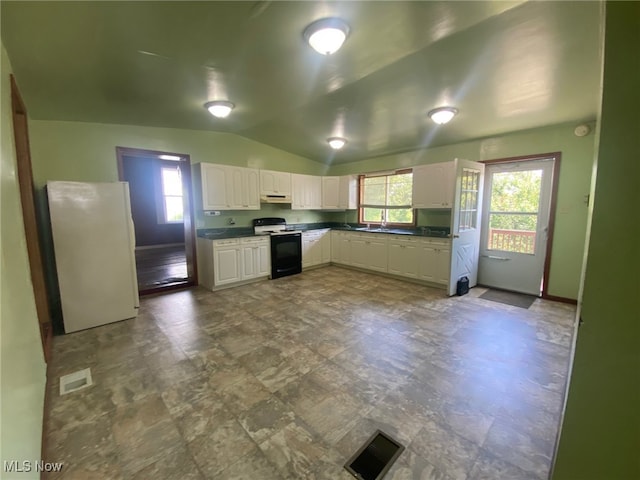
<point x="232" y="221"/>
<point x="211" y="213"/>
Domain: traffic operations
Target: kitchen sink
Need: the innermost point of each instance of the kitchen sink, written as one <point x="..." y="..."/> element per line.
<point x="397" y="231"/>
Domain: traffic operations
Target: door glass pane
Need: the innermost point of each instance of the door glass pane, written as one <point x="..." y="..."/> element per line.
<point x="468" y="218"/>
<point x="513" y="212"/>
<point x="516" y="191"/>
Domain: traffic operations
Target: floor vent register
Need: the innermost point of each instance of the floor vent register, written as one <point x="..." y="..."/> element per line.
<point x="75" y="381"/>
<point x="374" y="459"/>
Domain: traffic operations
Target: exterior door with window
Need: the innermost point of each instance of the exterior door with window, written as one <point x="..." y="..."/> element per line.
<point x="465" y="223"/>
<point x="515" y="224"/>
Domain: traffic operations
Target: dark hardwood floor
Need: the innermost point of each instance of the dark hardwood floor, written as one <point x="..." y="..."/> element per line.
<point x="160" y="266"/>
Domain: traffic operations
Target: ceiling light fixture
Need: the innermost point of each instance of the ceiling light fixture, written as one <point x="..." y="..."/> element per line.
<point x="336" y="142"/>
<point x="170" y="157"/>
<point x="219" y="108"/>
<point x="442" y="115"/>
<point x="327" y="35"/>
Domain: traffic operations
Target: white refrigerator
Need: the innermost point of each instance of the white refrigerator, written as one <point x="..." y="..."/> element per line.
<point x="94" y="246"/>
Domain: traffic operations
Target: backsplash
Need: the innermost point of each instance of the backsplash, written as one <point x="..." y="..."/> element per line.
<point x="426" y="217"/>
<point x="243" y="218"/>
<point x="434" y="218"/>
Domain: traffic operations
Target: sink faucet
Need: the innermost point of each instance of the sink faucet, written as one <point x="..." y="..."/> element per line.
<point x="383" y="223"/>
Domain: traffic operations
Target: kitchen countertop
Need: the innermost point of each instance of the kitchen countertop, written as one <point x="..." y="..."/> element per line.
<point x="239" y="232"/>
<point x="441" y="232"/>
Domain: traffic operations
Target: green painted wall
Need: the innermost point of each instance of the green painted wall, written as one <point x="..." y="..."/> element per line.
<point x="86" y="152"/>
<point x="23" y="371"/>
<point x="574" y="184"/>
<point x="600" y="437"/>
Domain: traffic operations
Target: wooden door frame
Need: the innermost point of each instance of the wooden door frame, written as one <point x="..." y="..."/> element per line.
<point x="553" y="202"/>
<point x="189" y="214"/>
<point x="27" y="191"/>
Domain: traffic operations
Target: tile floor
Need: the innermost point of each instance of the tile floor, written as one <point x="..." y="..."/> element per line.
<point x="285" y="379"/>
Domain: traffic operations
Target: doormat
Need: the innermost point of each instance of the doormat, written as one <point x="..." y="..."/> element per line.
<point x="509" y="298"/>
<point x="374" y="459"/>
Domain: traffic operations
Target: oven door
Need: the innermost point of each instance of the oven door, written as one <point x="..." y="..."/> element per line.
<point x="286" y="254"/>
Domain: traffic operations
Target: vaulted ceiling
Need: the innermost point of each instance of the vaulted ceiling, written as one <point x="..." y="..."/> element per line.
<point x="505" y="65"/>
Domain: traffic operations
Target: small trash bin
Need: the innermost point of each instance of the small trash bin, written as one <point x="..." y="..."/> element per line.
<point x="462" y="288"/>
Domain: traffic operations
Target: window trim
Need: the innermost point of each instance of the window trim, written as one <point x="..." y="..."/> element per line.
<point x="362" y="205"/>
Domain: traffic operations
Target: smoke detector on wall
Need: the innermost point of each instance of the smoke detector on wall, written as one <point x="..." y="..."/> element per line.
<point x="582" y="130"/>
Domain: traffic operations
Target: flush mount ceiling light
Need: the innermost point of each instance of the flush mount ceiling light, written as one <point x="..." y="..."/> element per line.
<point x="327" y="35"/>
<point x="442" y="115"/>
<point x="169" y="157"/>
<point x="219" y="108"/>
<point x="336" y="142"/>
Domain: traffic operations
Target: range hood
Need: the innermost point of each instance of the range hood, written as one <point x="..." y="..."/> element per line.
<point x="275" y="198"/>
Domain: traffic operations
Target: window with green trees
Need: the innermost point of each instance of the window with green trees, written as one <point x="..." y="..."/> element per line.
<point x="386" y="198"/>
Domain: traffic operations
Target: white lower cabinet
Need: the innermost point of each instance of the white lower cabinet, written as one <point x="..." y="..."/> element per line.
<point x="233" y="260"/>
<point x="434" y="260"/>
<point x="227" y="262"/>
<point x="403" y="257"/>
<point x="368" y="251"/>
<point x="341" y="247"/>
<point x="420" y="258"/>
<point x="256" y="257"/>
<point x="316" y="247"/>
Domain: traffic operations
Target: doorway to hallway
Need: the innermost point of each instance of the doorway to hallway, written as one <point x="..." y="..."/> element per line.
<point x="517" y="225"/>
<point x="160" y="189"/>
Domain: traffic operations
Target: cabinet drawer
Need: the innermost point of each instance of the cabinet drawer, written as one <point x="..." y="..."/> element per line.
<point x="440" y="242"/>
<point x="262" y="240"/>
<point x="314" y="233"/>
<point x="403" y="241"/>
<point x="225" y="242"/>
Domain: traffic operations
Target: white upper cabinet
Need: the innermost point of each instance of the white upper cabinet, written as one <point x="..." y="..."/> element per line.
<point x="306" y="192"/>
<point x="433" y="185"/>
<point x="340" y="193"/>
<point x="229" y="188"/>
<point x="244" y="193"/>
<point x="214" y="186"/>
<point x="348" y="194"/>
<point x="275" y="183"/>
<point x="330" y="192"/>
